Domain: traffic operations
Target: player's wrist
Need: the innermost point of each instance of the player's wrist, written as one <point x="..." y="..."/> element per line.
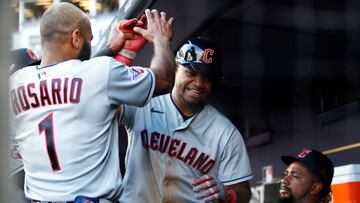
<point x="127" y="53"/>
<point x="106" y="51"/>
<point x="114" y="47"/>
<point x="162" y="41"/>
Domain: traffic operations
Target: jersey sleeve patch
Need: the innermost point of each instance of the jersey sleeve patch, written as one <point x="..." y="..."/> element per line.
<point x="136" y="72"/>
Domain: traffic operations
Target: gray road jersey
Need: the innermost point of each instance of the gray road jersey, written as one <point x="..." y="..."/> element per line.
<point x="66" y="127"/>
<point x="165" y="153"/>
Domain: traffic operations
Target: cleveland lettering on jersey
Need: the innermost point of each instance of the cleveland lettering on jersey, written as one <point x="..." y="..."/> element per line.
<point x="46" y="92"/>
<point x="178" y="149"/>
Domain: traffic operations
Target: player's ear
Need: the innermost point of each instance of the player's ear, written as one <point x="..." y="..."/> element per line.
<point x="316" y="188"/>
<point x="76" y="38"/>
<point x="177" y="66"/>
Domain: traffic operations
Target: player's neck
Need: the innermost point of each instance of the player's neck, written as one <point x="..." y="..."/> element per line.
<point x="308" y="200"/>
<point x="185" y="108"/>
<point x="54" y="55"/>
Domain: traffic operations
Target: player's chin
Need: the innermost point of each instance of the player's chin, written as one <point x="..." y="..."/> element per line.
<point x="285" y="197"/>
<point x="194" y="99"/>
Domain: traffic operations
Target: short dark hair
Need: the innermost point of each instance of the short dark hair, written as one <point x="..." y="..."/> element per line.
<point x="60" y="20"/>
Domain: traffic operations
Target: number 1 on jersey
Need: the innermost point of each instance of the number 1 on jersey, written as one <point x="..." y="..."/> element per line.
<point x="47" y="125"/>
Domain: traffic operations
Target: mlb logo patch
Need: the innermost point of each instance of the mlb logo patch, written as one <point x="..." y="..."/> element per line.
<point x="42" y="75"/>
<point x="136" y="73"/>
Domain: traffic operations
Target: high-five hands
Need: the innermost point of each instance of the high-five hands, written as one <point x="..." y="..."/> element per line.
<point x="159" y="28"/>
<point x="132" y="46"/>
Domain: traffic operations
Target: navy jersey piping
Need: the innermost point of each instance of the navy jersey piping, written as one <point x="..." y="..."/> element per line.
<point x="148" y="94"/>
<point x="238" y="178"/>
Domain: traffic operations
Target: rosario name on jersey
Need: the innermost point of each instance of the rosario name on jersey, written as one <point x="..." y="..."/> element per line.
<point x="66" y="128"/>
<point x="165" y="152"/>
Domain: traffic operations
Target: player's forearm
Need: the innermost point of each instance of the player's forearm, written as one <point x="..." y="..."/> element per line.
<point x="163" y="66"/>
<point x="242" y="192"/>
<point x="243" y="196"/>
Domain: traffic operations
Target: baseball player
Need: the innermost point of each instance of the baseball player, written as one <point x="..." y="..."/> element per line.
<point x="307" y="179"/>
<point x="21" y="58"/>
<point x="181" y="149"/>
<point x="64" y="109"/>
<point x="24" y="57"/>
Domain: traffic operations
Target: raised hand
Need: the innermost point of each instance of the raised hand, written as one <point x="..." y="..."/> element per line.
<point x="132" y="46"/>
<point x="159" y="28"/>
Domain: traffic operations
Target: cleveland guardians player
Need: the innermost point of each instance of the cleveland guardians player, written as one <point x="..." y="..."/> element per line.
<point x="64" y="109"/>
<point x="307" y="179"/>
<point x="180" y="148"/>
<point x="20" y="58"/>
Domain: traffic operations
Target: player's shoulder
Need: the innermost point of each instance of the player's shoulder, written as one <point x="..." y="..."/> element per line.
<point x="218" y="117"/>
<point x="215" y="113"/>
<point x="93" y="62"/>
<point x="159" y="102"/>
<point x="218" y="124"/>
<point x="100" y="59"/>
<point x="164" y="98"/>
<point x="99" y="63"/>
<point x="23" y="74"/>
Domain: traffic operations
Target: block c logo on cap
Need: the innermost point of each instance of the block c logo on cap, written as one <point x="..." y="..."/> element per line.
<point x="304" y="153"/>
<point x="208" y="53"/>
<point x="31" y="54"/>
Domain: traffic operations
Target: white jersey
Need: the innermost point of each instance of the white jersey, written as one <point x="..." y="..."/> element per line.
<point x="165" y="152"/>
<point x="66" y="126"/>
<point x="15" y="161"/>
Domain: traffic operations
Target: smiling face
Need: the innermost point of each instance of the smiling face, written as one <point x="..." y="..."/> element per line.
<point x="297" y="184"/>
<point x="190" y="88"/>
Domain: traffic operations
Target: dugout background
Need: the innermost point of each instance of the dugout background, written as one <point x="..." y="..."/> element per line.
<point x="291" y="68"/>
<point x="291" y="72"/>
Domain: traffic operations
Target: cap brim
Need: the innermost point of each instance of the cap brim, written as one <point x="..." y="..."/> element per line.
<point x="36" y="62"/>
<point x="197" y="67"/>
<point x="288" y="159"/>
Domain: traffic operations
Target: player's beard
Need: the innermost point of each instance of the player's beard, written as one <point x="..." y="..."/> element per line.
<point x="289" y="199"/>
<point x="85" y="52"/>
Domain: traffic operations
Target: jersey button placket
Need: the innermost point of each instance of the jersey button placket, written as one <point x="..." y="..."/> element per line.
<point x="166" y="183"/>
<point x="166" y="190"/>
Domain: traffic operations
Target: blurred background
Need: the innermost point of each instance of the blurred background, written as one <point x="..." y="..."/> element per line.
<point x="291" y="67"/>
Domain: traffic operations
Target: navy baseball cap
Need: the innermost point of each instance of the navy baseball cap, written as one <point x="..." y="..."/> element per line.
<point x="318" y="163"/>
<point x="201" y="55"/>
<point x="21" y="58"/>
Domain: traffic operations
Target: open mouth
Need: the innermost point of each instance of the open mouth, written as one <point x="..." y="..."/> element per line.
<point x="195" y="91"/>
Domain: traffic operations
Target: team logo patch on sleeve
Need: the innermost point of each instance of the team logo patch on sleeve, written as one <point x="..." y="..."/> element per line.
<point x="136" y="72"/>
